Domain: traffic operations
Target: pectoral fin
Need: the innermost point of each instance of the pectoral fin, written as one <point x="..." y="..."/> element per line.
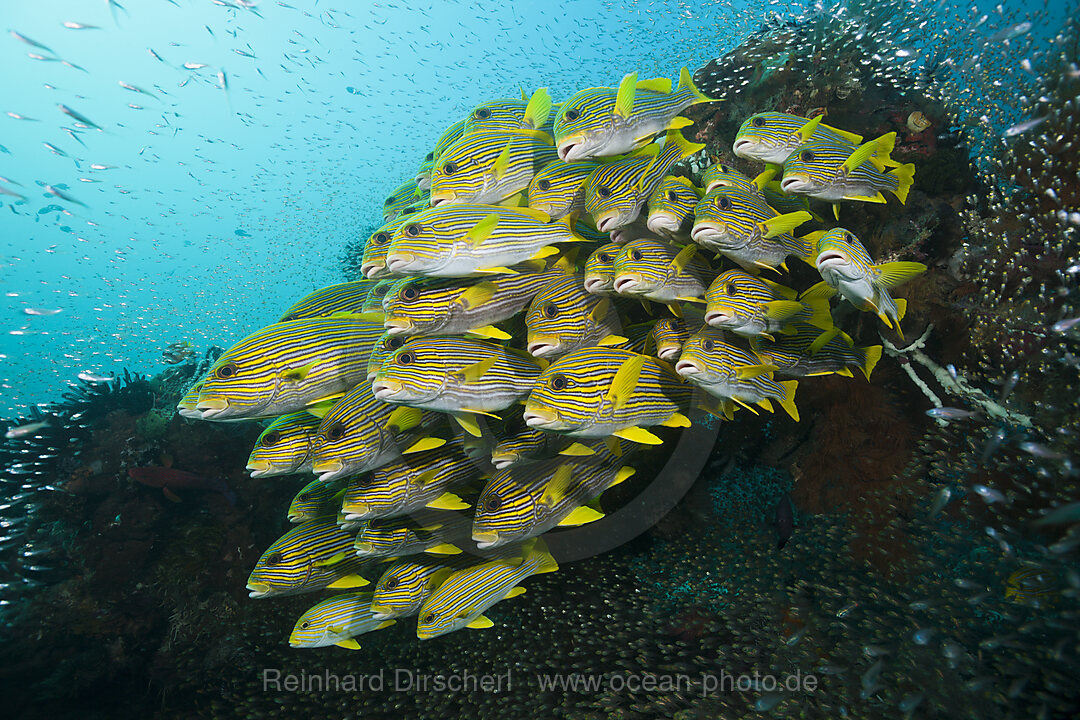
<point x="638" y="435"/>
<point x="482" y="230"/>
<point x="624" y="97"/>
<point x="580" y="516"/>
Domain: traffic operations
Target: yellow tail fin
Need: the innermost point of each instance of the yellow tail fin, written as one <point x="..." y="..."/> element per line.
<point x="687" y="83"/>
<point x="539" y="552"/>
<point x="871" y="355"/>
<point x="788" y="401"/>
<point x="820" y="317"/>
<point x="906" y="175"/>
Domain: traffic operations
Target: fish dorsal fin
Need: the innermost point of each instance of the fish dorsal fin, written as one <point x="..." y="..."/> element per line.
<point x="426" y="477"/>
<point x="480" y="623"/>
<point x="478" y="294"/>
<point x="662" y="85"/>
<point x="611" y="340"/>
<point x="748" y="372"/>
<point x="439" y="577"/>
<point x="558" y="486"/>
<point x="600" y="310"/>
<point x="482" y="230"/>
<point x="534" y="214"/>
<point x="782" y="224"/>
<point x="896" y="273"/>
<point x="320" y="410"/>
<point x="764" y="177"/>
<point x="807" y="130"/>
<point x="683" y="258"/>
<point x="849" y="136"/>
<point x="490" y="331"/>
<point x="861" y="155"/>
<point x="538" y="109"/>
<point x="624" y="97"/>
<point x="782" y="290"/>
<point x="782" y="309"/>
<point x="580" y="516"/>
<point x="477" y="370"/>
<point x="332" y="560"/>
<point x="823" y="339"/>
<point x="625" y="380"/>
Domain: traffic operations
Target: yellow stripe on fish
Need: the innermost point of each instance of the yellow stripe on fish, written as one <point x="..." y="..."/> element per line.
<point x="284" y="447"/>
<point x="406" y="198"/>
<point x="559" y="189"/>
<point x="448" y="138"/>
<point x="312" y="556"/>
<point x="436" y="533"/>
<point x="489" y="167"/>
<point x="406" y="584"/>
<point x="752" y="307"/>
<point x="671" y="207"/>
<point x="600" y="270"/>
<point x="771" y="137"/>
<point x="597" y="392"/>
<point x="186" y="406"/>
<point x="811" y="351"/>
<point x="340" y="297"/>
<point x="728" y="372"/>
<point x="741" y="226"/>
<point x="502" y="115"/>
<point x="661" y="272"/>
<point x="423" y="173"/>
<point x="373" y="303"/>
<point x="373" y="263"/>
<point x="316" y="499"/>
<point x="564" y="317"/>
<point x="336" y="621"/>
<point x="527" y="445"/>
<point x="288" y="366"/>
<point x="387" y="344"/>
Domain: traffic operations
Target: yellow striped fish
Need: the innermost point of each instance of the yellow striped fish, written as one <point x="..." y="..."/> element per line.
<point x="771" y="137"/>
<point x="311" y="556"/>
<point x="525" y="501"/>
<point x="449" y="137"/>
<point x="288" y="366"/>
<point x="600" y="270"/>
<point x="336" y="621"/>
<point x="462" y="306"/>
<point x="459" y="240"/>
<point x="658" y="271"/>
<point x="730" y="373"/>
<point x="361" y="433"/>
<point x="284" y="447"/>
<point x="846" y="268"/>
<point x="752" y="307"/>
<point x="811" y="351"/>
<point x="373" y="264"/>
<point x="741" y="226"/>
<point x="340" y="297"/>
<point x="489" y="167"/>
<point x="526" y="445"/>
<point x="457" y="376"/>
<point x="385" y="345"/>
<point x="460" y="600"/>
<point x="559" y="189"/>
<point x="616" y="191"/>
<point x="404" y="200"/>
<point x="425" y="479"/>
<point x="373" y="303"/>
<point x="564" y="317"/>
<point x="423" y="174"/>
<point x="724" y="176"/>
<point x="596" y="392"/>
<point x="316" y="499"/>
<point x="437" y="533"/>
<point x="607" y="121"/>
<point x="671" y="207"/>
<point x="406" y="584"/>
<point x="667" y="335"/>
<point x="502" y="115"/>
<point x="186" y="406"/>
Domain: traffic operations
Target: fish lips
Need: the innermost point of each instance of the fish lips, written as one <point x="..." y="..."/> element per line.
<point x="793" y="184"/>
<point x="503" y="461"/>
<point x="630" y="284"/>
<point x="719" y="317"/>
<point x="832" y="260"/>
<point x="259" y="590"/>
<point x="400" y="262"/>
<point x="708" y="232"/>
<point x="397" y="326"/>
<point x="597" y="284"/>
<point x="743" y="147"/>
<point x="663" y="222"/>
<point x="667" y="352"/>
<point x="385" y="389"/>
<point x="541" y="345"/>
<point x="542" y="419"/>
<point x="328" y="470"/>
<point x="484" y="540"/>
<point x="572" y="148"/>
<point x="688" y="368"/>
<point x="212" y="408"/>
<point x="371" y="270"/>
<point x="259" y="468"/>
<point x="442" y="197"/>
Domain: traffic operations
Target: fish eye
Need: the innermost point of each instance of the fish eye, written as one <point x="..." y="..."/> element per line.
<point x="409" y="211"/>
<point x="848" y="237"/>
<point x="380" y="238"/>
<point x="725" y="169"/>
<point x="724" y="202"/>
<point x="226" y="371"/>
<point x="604" y="258"/>
<point x="274" y="559"/>
<point x="287" y="318"/>
<point x="603" y="191"/>
<point x="806" y="156"/>
<point x="429" y="157"/>
<point x="544" y="184"/>
<point x="636" y="255"/>
<point x="391" y="583"/>
<point x="409" y="293"/>
<point x="304" y="496"/>
<point x="708" y="345"/>
<point x="412" y="230"/>
<point x="731" y="289"/>
<point x="406" y="358"/>
<point x="394" y="342"/>
<point x="551" y="310"/>
<point x="483" y="114"/>
<point x="572" y="115"/>
<point x="493" y="503"/>
<point x="558" y="383"/>
<point x="672" y="196"/>
<point x="758" y="122"/>
<point x="305" y="625"/>
<point x="450" y="168"/>
<point x="271" y="439"/>
<point x="429" y="618"/>
<point x="335" y="432"/>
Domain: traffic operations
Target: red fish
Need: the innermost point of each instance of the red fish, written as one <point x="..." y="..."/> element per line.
<point x="169" y="479"/>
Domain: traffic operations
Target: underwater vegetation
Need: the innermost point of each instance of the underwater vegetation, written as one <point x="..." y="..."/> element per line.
<point x="910" y="541"/>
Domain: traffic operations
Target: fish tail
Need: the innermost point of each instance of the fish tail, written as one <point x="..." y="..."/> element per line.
<point x="820" y="317"/>
<point x="804" y="247"/>
<point x="539" y="554"/>
<point x="687" y="83"/>
<point x="685" y="148"/>
<point x="788" y="400"/>
<point x="871" y="355"/>
<point x="906" y="176"/>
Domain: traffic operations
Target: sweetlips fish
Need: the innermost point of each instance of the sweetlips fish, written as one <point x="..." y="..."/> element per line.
<point x="635" y="230"/>
<point x="406" y="584"/>
<point x="521" y="502"/>
<point x="489" y="167"/>
<point x="361" y="433"/>
<point x="600" y="270"/>
<point x="832" y="172"/>
<point x="419" y="306"/>
<point x="667" y="335"/>
<point x="563" y="317"/>
<point x="284" y="447"/>
<point x="423" y="173"/>
<point x="526" y="445"/>
<point x="753" y="307"/>
<point x="598" y="122"/>
<point x="771" y="137"/>
<point x="462" y="598"/>
<point x="345" y="297"/>
<point x="316" y="499"/>
<point x="337" y="621"/>
<point x="597" y="392"/>
<point x="186" y="406"/>
<point x="458" y="376"/>
<point x="720" y="175"/>
<point x="309" y="557"/>
<point x="373" y="263"/>
<point x="415" y="481"/>
<point x="741" y="226"/>
<point x="288" y="366"/>
<point x="730" y="373"/>
<point x="660" y="272"/>
<point x="382" y="349"/>
<point x="404" y="200"/>
<point x="616" y="191"/>
<point x="460" y="240"/>
<point x="502" y="115"/>
<point x="373" y="303"/>
<point x="559" y="189"/>
<point x="434" y="532"/>
<point x="671" y="207"/>
<point x="811" y="351"/>
<point x="449" y="137"/>
<point x="846" y="268"/>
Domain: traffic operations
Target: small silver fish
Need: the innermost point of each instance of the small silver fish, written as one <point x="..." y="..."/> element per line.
<point x="989" y="494"/>
<point x="42" y="311"/>
<point x="79" y="117"/>
<point x="63" y="196"/>
<point x="1041" y="451"/>
<point x="79" y="26"/>
<point x="1064" y="326"/>
<point x="941" y="499"/>
<point x="94" y="378"/>
<point x="949" y="413"/>
<point x="24" y="430"/>
<point x="195" y="65"/>
<point x="1023" y="127"/>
